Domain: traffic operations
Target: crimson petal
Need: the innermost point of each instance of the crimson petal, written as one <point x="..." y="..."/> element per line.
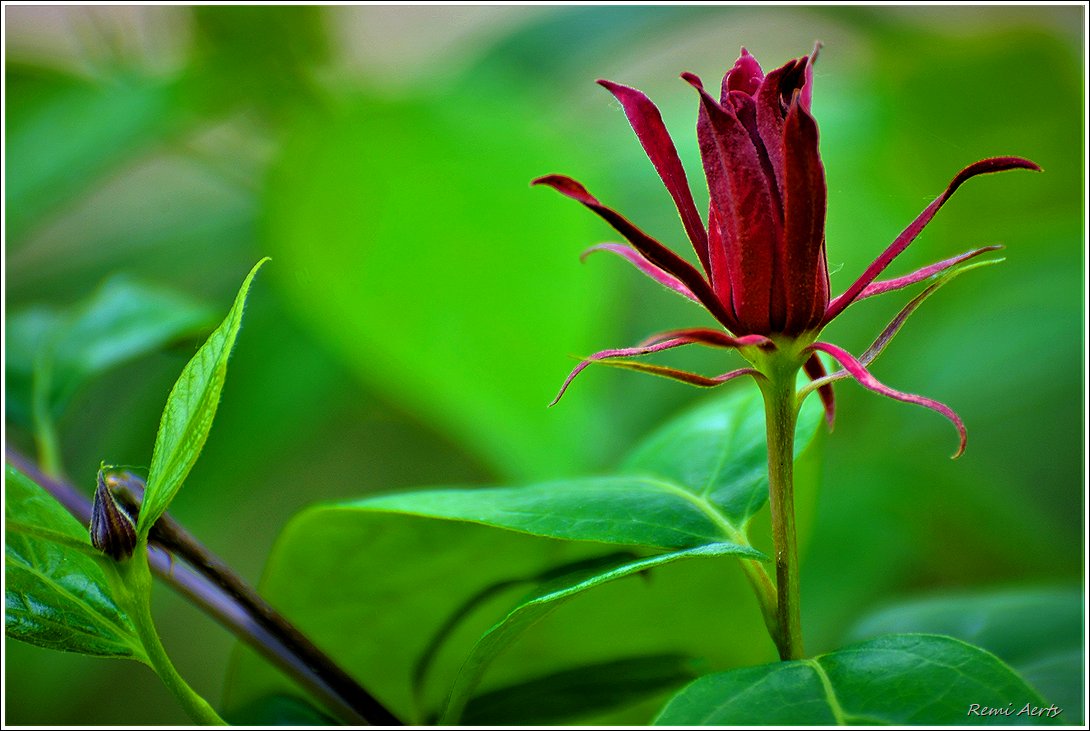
<point x="804" y="268"/>
<point x="981" y="167"/>
<point x="644" y="266"/>
<point x="709" y="337"/>
<point x="866" y="380"/>
<point x="647" y="123"/>
<point x="664" y="341"/>
<point x="889" y="285"/>
<point x="772" y="98"/>
<point x="651" y="249"/>
<point x="816" y="370"/>
<point x="693" y="379"/>
<point x="746" y="77"/>
<point x="742" y="207"/>
<point x="871" y="353"/>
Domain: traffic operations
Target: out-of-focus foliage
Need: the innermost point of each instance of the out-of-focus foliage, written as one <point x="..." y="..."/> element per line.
<point x="423" y="302"/>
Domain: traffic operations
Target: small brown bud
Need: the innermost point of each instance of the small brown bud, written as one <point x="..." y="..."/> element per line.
<point x="112" y="530"/>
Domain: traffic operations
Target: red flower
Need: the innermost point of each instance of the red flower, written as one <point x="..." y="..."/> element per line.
<point x="765" y="276"/>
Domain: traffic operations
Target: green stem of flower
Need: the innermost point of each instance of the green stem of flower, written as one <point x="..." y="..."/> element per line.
<point x="780" y="418"/>
<point x="136" y="575"/>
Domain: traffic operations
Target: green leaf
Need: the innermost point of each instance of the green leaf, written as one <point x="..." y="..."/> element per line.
<point x="56" y="595"/>
<point x="717" y="452"/>
<point x="574" y="692"/>
<point x="467" y="608"/>
<point x="635" y="511"/>
<point x="122" y="320"/>
<point x="331" y="573"/>
<point x="1038" y="632"/>
<point x="52" y="354"/>
<point x="895" y="679"/>
<point x="190" y="408"/>
<point x="544" y="600"/>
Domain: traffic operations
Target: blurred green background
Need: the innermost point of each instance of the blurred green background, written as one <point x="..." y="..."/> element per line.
<point x="423" y="303"/>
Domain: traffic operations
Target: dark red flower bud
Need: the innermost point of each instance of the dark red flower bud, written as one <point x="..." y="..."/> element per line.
<point x="112" y="529"/>
<point x="765" y="277"/>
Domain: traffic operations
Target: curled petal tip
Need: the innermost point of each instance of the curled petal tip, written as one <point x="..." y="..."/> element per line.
<point x="693" y="80"/>
<point x="866" y="380"/>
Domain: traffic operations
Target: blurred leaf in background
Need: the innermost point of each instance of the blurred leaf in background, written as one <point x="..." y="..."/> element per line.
<point x="425" y="302"/>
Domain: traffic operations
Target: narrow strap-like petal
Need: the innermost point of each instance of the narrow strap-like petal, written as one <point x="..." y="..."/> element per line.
<point x="816" y="370"/>
<point x="652" y="250"/>
<point x="693" y="379"/>
<point x="871" y="353"/>
<point x="804" y="221"/>
<point x="649" y="128"/>
<point x="889" y="285"/>
<point x="713" y="338"/>
<point x="990" y="165"/>
<point x="658" y="343"/>
<point x="749" y="224"/>
<point x="637" y="260"/>
<point x="865" y="379"/>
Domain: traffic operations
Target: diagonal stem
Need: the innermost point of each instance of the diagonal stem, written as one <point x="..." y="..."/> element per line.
<point x="214" y="588"/>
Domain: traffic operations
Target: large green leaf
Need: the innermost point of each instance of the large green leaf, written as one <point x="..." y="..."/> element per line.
<point x="545" y="599"/>
<point x="56" y="592"/>
<point x="574" y="692"/>
<point x="1038" y="632"/>
<point x="717" y="452"/>
<point x="190" y="408"/>
<point x="911" y="679"/>
<point x="630" y="510"/>
<point x="374" y="589"/>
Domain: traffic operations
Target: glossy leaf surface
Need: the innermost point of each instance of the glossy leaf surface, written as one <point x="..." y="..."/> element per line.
<point x="891" y="680"/>
<point x="1038" y="632"/>
<point x="545" y="599"/>
<point x="717" y="452"/>
<point x="57" y="594"/>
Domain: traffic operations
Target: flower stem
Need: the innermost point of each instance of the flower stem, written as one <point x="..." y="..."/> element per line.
<point x="780" y="417"/>
<point x="137" y="596"/>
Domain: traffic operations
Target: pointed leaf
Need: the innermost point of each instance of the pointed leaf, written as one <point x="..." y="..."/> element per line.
<point x="895" y="679"/>
<point x="544" y="600"/>
<point x="190" y="408"/>
<point x="636" y="511"/>
<point x="56" y="595"/>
